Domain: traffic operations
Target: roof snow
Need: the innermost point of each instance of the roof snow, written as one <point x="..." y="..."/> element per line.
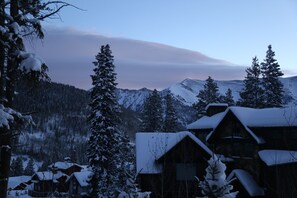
<point x="152" y="146"/>
<point x="249" y="117"/>
<point x="247" y="182"/>
<point x="278" y="157"/>
<point x="62" y="165"/>
<point x="82" y="177"/>
<point x="45" y="175"/>
<point x="207" y="122"/>
<point x="267" y="117"/>
<point x="15" y="181"/>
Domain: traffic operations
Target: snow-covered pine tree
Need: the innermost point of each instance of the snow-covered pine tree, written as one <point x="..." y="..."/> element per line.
<point x="252" y="94"/>
<point x="273" y="95"/>
<point x="228" y="98"/>
<point x="19" y="19"/>
<point x="170" y="121"/>
<point x="152" y="119"/>
<point x="105" y="152"/>
<point x="16" y="168"/>
<point x="215" y="184"/>
<point x="29" y="170"/>
<point x="209" y="94"/>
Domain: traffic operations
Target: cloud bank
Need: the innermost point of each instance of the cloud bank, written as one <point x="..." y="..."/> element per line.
<point x="69" y="54"/>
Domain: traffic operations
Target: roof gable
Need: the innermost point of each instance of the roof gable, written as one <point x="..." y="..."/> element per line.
<point x="152" y="146"/>
<point x="247" y="181"/>
<point x="230" y="113"/>
<point x="82" y="177"/>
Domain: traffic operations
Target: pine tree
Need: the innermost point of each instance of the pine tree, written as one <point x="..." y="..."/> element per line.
<point x="29" y="170"/>
<point x="215" y="184"/>
<point x="170" y="121"/>
<point x="228" y="98"/>
<point x="209" y="94"/>
<point x="16" y="168"/>
<point x="105" y="143"/>
<point x="252" y="94"/>
<point x="271" y="83"/>
<point x="152" y="119"/>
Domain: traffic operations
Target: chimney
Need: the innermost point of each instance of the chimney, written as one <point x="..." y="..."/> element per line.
<point x="214" y="108"/>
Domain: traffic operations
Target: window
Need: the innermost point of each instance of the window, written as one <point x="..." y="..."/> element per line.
<point x="185" y="171"/>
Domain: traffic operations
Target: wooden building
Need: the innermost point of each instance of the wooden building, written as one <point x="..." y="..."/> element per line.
<point x="78" y="184"/>
<point x="167" y="163"/>
<point x="241" y="134"/>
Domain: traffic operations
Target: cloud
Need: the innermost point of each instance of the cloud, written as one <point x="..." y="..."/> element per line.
<point x="69" y="54"/>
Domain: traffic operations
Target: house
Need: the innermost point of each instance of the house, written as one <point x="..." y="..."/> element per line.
<point x="78" y="184"/>
<point x="244" y="134"/>
<point x="167" y="163"/>
<point x="45" y="183"/>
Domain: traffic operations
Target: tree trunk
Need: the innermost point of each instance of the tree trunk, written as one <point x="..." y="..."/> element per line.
<point x="2" y="56"/>
<point x="5" y="142"/>
<point x="5" y="154"/>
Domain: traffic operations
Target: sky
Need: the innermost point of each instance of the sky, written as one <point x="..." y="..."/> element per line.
<point x="159" y="43"/>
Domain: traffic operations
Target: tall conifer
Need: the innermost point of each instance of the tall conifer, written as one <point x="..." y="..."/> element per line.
<point x="272" y="85"/>
<point x="209" y="94"/>
<point x="170" y="121"/>
<point x="252" y="93"/>
<point x="105" y="143"/>
<point x="152" y="119"/>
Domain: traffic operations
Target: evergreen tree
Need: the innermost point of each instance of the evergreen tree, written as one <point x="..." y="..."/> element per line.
<point x="228" y="98"/>
<point x="152" y="119"/>
<point x="209" y="94"/>
<point x="170" y="121"/>
<point x="252" y="93"/>
<point x="16" y="168"/>
<point x="215" y="184"/>
<point x="271" y="83"/>
<point x="29" y="170"/>
<point x="105" y="143"/>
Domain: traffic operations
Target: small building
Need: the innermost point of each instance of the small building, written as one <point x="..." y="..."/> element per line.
<point x="167" y="163"/>
<point x="45" y="183"/>
<point x="78" y="184"/>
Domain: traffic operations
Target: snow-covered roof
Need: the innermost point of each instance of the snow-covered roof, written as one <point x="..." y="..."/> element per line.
<point x="15" y="181"/>
<point x="152" y="146"/>
<point x="45" y="175"/>
<point x="207" y="122"/>
<point x="247" y="182"/>
<point x="62" y="165"/>
<point x="249" y="117"/>
<point x="267" y="117"/>
<point x="82" y="177"/>
<point x="278" y="157"/>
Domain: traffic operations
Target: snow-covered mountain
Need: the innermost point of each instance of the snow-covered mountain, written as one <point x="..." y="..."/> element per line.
<point x="186" y="91"/>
